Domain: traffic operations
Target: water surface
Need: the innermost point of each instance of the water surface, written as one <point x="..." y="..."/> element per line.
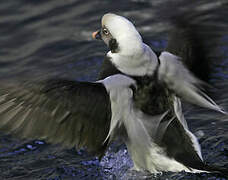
<point x="53" y="37"/>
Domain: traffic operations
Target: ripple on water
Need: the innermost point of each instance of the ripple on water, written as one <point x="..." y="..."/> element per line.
<point x="53" y="37"/>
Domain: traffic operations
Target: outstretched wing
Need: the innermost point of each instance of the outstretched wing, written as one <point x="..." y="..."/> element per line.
<point x="196" y="33"/>
<point x="179" y="79"/>
<point x="59" y="111"/>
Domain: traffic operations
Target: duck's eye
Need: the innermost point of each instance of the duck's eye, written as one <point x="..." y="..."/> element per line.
<point x="105" y="31"/>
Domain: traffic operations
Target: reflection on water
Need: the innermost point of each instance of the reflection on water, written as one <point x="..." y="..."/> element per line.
<point x="52" y="37"/>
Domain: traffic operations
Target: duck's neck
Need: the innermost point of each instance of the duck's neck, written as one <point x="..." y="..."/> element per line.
<point x="140" y="62"/>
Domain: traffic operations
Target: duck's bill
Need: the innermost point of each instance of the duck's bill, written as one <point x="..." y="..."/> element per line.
<point x="96" y="35"/>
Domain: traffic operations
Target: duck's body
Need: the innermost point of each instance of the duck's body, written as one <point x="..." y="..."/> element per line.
<point x="174" y="148"/>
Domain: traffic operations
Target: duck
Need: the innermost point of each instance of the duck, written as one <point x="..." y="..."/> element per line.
<point x="162" y="83"/>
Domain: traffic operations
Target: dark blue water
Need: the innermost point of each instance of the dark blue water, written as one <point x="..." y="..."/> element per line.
<point x="40" y="38"/>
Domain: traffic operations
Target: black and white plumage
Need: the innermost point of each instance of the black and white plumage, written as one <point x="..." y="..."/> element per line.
<point x="158" y="89"/>
<point x="139" y="100"/>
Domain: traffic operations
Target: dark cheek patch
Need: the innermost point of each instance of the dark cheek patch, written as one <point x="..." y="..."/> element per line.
<point x="113" y="45"/>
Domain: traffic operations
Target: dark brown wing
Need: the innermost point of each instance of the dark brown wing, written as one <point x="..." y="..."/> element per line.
<point x="58" y="111"/>
<point x="195" y="35"/>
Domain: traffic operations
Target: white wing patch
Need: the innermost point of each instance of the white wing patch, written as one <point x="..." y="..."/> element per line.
<point x="124" y="111"/>
<point x="174" y="74"/>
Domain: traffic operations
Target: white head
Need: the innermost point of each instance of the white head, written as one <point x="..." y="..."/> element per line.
<point x="121" y="29"/>
<point x="127" y="50"/>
